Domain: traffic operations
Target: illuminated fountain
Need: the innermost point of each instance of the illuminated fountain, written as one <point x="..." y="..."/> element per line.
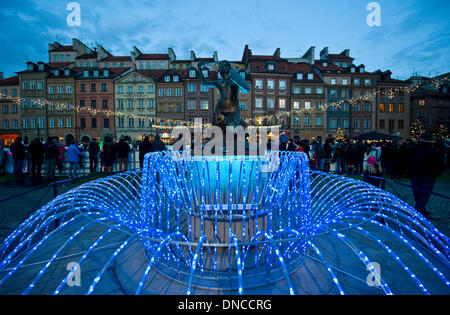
<point x="226" y="224"/>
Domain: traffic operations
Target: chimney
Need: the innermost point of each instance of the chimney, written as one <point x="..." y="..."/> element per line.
<point x="215" y="56"/>
<point x="346" y="52"/>
<point x="192" y="55"/>
<point x="172" y="56"/>
<point x="324" y="54"/>
<point x="277" y="53"/>
<point x="309" y="55"/>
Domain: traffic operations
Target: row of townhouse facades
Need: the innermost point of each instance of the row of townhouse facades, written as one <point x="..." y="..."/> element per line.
<point x="83" y="93"/>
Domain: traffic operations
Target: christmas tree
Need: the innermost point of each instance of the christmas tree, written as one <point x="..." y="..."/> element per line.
<point x="340" y="135"/>
<point x="442" y="132"/>
<point x="416" y="129"/>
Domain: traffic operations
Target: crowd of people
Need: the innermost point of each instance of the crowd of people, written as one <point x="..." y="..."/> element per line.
<point x="28" y="158"/>
<point x="423" y="161"/>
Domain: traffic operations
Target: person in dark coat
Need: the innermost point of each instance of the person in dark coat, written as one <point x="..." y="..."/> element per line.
<point x="51" y="155"/>
<point x="122" y="149"/>
<point x="93" y="150"/>
<point x="108" y="153"/>
<point x="158" y="145"/>
<point x="37" y="152"/>
<point x="426" y="164"/>
<point x="18" y="154"/>
<point x="144" y="147"/>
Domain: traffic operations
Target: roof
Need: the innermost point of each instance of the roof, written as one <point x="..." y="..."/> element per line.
<point x="117" y="58"/>
<point x="305" y="68"/>
<point x="329" y="67"/>
<point x="153" y="57"/>
<point x="339" y="56"/>
<point x="63" y="48"/>
<point x="59" y="64"/>
<point x="10" y="81"/>
<point x="88" y="56"/>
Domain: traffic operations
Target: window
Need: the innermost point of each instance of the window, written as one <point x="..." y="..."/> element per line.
<point x="318" y="120"/>
<point x="130" y="123"/>
<point x="333" y="81"/>
<point x="93" y="122"/>
<point x="167" y="78"/>
<point x="69" y="89"/>
<point x="282" y="103"/>
<point x="130" y="103"/>
<point x="401" y="124"/>
<point x="319" y="90"/>
<point x="61" y="122"/>
<point x="40" y="86"/>
<point x="421" y="102"/>
<point x="296" y="90"/>
<point x="25" y="85"/>
<point x="333" y="93"/>
<point x="82" y="103"/>
<point x="307" y="120"/>
<point x="15" y="124"/>
<point x="366" y="123"/>
<point x="141" y="104"/>
<point x="51" y="106"/>
<point x="130" y="89"/>
<point x="69" y="122"/>
<point x="93" y="103"/>
<point x="83" y="87"/>
<point x="120" y="89"/>
<point x="6" y="124"/>
<point x="151" y="103"/>
<point x="310" y="76"/>
<point x="169" y="92"/>
<point x="106" y="123"/>
<point x="356" y="93"/>
<point x="382" y="107"/>
<point x="179" y="92"/>
<point x="141" y="123"/>
<point x="104" y="87"/>
<point x="25" y="123"/>
<point x="120" y="104"/>
<point x="282" y="84"/>
<point x="242" y="105"/>
<point x="14" y="92"/>
<point x="258" y="103"/>
<point x="161" y="92"/>
<point x="333" y="123"/>
<point x="204" y="104"/>
<point x="178" y="108"/>
<point x="14" y="109"/>
<point x="147" y="65"/>
<point x="296" y="120"/>
<point x="141" y="65"/>
<point x="367" y="82"/>
<point x="345" y="123"/>
<point x="367" y="107"/>
<point x="105" y="104"/>
<point x="356" y="123"/>
<point x="356" y="108"/>
<point x="204" y="88"/>
<point x="344" y="81"/>
<point x="296" y="105"/>
<point x="319" y="105"/>
<point x="391" y="107"/>
<point x="270" y="67"/>
<point x="192" y="74"/>
<point x="121" y="122"/>
<point x="381" y="124"/>
<point x="151" y="89"/>
<point x="271" y="84"/>
<point x="270" y="102"/>
<point x="355" y="81"/>
<point x="308" y="90"/>
<point x="191" y="87"/>
<point x="191" y="104"/>
<point x="307" y="105"/>
<point x="93" y="87"/>
<point x="391" y="124"/>
<point x="51" y="89"/>
<point x="60" y="89"/>
<point x="33" y="85"/>
<point x="258" y="84"/>
<point x="299" y="76"/>
<point x="176" y="78"/>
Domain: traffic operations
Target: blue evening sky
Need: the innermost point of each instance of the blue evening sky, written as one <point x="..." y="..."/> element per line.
<point x="414" y="35"/>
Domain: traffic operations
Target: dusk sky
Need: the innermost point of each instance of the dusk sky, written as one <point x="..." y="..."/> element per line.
<point x="414" y="35"/>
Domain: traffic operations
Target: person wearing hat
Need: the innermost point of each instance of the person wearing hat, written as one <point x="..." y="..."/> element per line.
<point x="425" y="164"/>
